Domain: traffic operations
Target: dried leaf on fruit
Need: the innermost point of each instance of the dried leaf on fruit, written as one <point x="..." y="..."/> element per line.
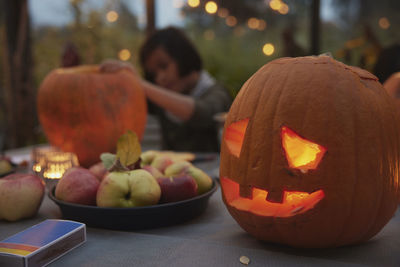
<point x="128" y="149"/>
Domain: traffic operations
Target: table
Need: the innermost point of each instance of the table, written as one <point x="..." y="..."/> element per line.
<point x="211" y="239"/>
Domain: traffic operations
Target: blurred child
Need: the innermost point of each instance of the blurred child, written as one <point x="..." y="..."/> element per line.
<point x="181" y="93"/>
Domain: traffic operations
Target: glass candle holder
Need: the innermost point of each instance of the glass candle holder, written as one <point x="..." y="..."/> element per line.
<point x="38" y="156"/>
<point x="57" y="162"/>
<point x="53" y="164"/>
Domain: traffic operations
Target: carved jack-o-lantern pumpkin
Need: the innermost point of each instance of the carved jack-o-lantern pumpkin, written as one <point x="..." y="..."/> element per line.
<point x="310" y="154"/>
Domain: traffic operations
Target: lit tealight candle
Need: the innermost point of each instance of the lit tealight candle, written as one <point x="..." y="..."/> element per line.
<point x="57" y="162"/>
<point x="39" y="157"/>
<point x="51" y="163"/>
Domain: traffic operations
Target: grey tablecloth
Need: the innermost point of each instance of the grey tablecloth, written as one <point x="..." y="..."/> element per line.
<point x="211" y="239"/>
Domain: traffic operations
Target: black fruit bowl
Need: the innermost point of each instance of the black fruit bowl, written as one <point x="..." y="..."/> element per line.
<point x="138" y="217"/>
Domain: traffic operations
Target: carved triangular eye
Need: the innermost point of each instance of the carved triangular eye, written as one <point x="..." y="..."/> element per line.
<point x="234" y="136"/>
<point x="301" y="153"/>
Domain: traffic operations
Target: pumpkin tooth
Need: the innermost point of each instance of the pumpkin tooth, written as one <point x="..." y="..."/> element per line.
<point x="275" y="196"/>
<point x="246" y="191"/>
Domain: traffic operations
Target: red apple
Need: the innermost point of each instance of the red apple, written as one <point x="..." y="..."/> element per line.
<point x="78" y="185"/>
<point x="177" y="188"/>
<point x="203" y="180"/>
<point x="99" y="170"/>
<point x="20" y="196"/>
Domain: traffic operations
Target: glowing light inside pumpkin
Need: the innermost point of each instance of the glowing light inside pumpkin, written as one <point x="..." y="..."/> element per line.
<point x="301" y="153"/>
<point x="293" y="202"/>
<point x="234" y="136"/>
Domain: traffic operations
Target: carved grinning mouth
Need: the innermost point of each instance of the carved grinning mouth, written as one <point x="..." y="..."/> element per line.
<point x="301" y="154"/>
<point x="293" y="202"/>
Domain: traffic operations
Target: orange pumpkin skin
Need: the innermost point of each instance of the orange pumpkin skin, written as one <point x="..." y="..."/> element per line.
<point x="84" y="111"/>
<point x="342" y="108"/>
<point x="392" y="86"/>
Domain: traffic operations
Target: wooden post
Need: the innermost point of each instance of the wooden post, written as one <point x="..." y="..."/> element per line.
<point x="315" y="27"/>
<point x="18" y="94"/>
<point x="151" y="18"/>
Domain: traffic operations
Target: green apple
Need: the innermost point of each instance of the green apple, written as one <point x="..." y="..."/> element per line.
<point x="177" y="167"/>
<point x="147" y="157"/>
<point x="128" y="189"/>
<point x="21" y="195"/>
<point x="162" y="161"/>
<point x="204" y="182"/>
<point x="5" y="166"/>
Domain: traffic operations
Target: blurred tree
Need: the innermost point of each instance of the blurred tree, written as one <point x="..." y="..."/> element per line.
<point x="368" y="26"/>
<point x="18" y="94"/>
<point x="151" y="17"/>
<point x="243" y="10"/>
<point x="126" y="18"/>
<point x="353" y="12"/>
<point x="2" y="109"/>
<point x="229" y="34"/>
<point x="292" y="12"/>
<point x="94" y="37"/>
<point x="315" y="27"/>
<point x="290" y="47"/>
<point x="76" y="8"/>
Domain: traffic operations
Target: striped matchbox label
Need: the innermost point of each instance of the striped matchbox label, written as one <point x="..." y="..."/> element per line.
<point x="42" y="243"/>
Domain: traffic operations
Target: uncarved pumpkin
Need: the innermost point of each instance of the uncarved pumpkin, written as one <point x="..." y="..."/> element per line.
<point x="310" y="154"/>
<point x="84" y="111"/>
